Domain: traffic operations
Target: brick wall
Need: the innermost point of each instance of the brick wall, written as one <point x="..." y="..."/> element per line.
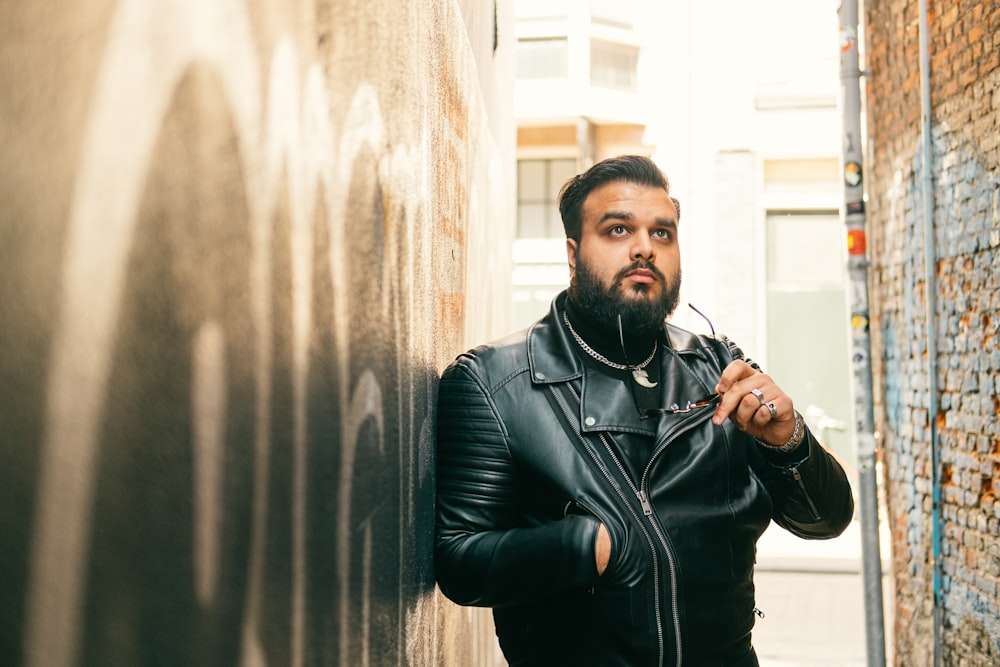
<point x="965" y="92"/>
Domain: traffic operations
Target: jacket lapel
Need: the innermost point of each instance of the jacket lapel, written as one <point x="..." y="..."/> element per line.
<point x="606" y="403"/>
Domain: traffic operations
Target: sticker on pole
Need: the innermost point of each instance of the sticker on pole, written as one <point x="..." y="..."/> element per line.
<point x="856" y="242"/>
<point x="848" y="38"/>
<point x="852" y="174"/>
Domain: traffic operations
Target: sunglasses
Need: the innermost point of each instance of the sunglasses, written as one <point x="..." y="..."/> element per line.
<point x="673" y="408"/>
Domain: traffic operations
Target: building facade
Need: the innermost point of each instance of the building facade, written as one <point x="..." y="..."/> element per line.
<point x="742" y="115"/>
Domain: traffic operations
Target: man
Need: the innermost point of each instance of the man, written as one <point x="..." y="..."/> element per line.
<point x="604" y="476"/>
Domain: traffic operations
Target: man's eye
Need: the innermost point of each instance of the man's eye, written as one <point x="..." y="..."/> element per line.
<point x="617" y="230"/>
<point x="664" y="234"/>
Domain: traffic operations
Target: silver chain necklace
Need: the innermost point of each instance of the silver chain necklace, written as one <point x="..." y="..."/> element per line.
<point x="638" y="374"/>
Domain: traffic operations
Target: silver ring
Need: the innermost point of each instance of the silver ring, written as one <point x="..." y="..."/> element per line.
<point x="758" y="394"/>
<point x="773" y="410"/>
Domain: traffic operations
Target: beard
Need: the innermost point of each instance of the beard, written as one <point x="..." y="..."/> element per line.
<point x="641" y="316"/>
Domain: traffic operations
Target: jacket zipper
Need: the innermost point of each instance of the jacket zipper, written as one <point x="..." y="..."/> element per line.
<point x="647" y="510"/>
<point x="683" y="427"/>
<point x="570" y="419"/>
<point x="797" y="476"/>
<point x="680" y="429"/>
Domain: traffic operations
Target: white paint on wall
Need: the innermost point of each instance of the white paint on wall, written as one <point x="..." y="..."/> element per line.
<point x="286" y="140"/>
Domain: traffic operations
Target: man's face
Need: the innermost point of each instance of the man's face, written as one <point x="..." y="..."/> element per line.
<point x="627" y="260"/>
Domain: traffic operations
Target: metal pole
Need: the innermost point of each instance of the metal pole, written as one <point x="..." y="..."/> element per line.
<point x="930" y="305"/>
<point x="857" y="267"/>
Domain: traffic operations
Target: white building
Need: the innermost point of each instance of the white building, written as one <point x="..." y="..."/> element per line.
<point x="738" y="103"/>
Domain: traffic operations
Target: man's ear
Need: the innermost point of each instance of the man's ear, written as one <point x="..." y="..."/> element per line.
<point x="571" y="254"/>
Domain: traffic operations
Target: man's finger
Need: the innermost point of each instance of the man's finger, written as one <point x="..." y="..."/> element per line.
<point x="733" y="373"/>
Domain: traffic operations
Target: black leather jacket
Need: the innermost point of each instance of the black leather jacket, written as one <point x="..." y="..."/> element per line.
<point x="530" y="462"/>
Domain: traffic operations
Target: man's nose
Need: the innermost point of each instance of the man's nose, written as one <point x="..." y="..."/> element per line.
<point x="642" y="246"/>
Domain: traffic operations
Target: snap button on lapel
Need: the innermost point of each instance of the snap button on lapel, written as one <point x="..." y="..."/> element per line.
<point x="589" y="421"/>
<point x="539" y="376"/>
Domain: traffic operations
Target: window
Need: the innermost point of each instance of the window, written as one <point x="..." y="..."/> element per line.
<point x="538" y="184"/>
<point x="613" y="65"/>
<point x="546" y="58"/>
<point x="807" y="301"/>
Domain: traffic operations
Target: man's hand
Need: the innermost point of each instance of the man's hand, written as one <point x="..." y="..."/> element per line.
<point x="752" y="401"/>
<point x="602" y="549"/>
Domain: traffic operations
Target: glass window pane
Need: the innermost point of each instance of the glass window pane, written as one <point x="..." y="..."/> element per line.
<point x="531" y="184"/>
<point x="539" y="182"/>
<point x="555" y="227"/>
<point x="542" y="59"/>
<point x="561" y="171"/>
<point x="531" y="221"/>
<point x="805" y="249"/>
<point x="613" y="65"/>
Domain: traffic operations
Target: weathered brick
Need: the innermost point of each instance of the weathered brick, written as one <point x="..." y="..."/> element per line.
<point x="965" y="86"/>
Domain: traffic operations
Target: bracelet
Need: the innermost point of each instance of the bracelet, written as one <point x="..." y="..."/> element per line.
<point x="794" y="441"/>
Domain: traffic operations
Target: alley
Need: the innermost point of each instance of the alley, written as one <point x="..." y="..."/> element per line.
<point x="812" y="598"/>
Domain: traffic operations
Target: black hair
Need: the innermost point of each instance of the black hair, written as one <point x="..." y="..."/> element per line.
<point x="623" y="168"/>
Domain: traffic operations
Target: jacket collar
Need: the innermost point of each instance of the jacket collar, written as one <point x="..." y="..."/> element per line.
<point x="552" y="355"/>
<point x="606" y="403"/>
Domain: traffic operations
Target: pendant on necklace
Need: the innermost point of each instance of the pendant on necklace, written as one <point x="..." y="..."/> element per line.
<point x="641" y="378"/>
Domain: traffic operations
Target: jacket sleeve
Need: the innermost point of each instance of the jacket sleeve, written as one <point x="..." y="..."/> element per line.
<point x="810" y="492"/>
<point x="485" y="553"/>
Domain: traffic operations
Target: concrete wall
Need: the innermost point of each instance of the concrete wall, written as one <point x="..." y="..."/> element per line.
<point x="965" y="77"/>
<point x="238" y="241"/>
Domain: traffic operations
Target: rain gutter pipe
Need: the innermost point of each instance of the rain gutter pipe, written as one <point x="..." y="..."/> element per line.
<point x="930" y="301"/>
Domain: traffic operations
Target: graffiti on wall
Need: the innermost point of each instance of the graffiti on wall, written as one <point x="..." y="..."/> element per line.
<point x="233" y="463"/>
<point x="966" y="236"/>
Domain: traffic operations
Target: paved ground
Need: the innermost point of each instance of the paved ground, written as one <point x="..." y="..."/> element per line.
<point x="811" y="619"/>
<point x="812" y="596"/>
